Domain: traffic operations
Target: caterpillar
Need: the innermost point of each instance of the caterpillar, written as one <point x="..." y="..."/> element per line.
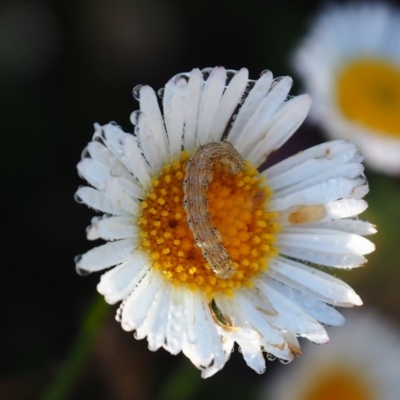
<point x="197" y="179"/>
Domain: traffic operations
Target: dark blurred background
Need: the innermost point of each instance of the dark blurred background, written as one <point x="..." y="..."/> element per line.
<point x="67" y="64"/>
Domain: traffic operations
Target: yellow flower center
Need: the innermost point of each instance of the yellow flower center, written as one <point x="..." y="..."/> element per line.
<point x="339" y="384"/>
<point x="368" y="92"/>
<point x="236" y="204"/>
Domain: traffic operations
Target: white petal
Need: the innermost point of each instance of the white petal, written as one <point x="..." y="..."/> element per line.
<point x="140" y="300"/>
<point x="157" y="334"/>
<point x="292" y="342"/>
<point x="313" y="307"/>
<point x="323" y="192"/>
<point x="312" y="281"/>
<point x="189" y="316"/>
<point x="209" y="346"/>
<point x="117" y="283"/>
<point x="355" y="226"/>
<point x="211" y="370"/>
<point x="243" y="330"/>
<point x="98" y="200"/>
<point x="318" y="214"/>
<point x="149" y="106"/>
<point x="219" y="357"/>
<point x="124" y="147"/>
<point x="280" y="128"/>
<point x="257" y="319"/>
<point x="320" y="337"/>
<point x="194" y="88"/>
<point x="148" y="141"/>
<point x="251" y="103"/>
<point x="210" y="99"/>
<point x="100" y="152"/>
<point x="253" y="356"/>
<point x="313" y="165"/>
<point x="282" y="353"/>
<point x="228" y="104"/>
<point x="347" y="171"/>
<point x="289" y="316"/>
<point x="255" y="130"/>
<point x="194" y="348"/>
<point x="203" y="332"/>
<point x="174" y="112"/>
<point x="175" y="325"/>
<point x="131" y="188"/>
<point x="324" y="240"/>
<point x="345" y="208"/>
<point x="107" y="255"/>
<point x="324" y="258"/>
<point x="113" y="228"/>
<point x="151" y="321"/>
<point x="339" y="151"/>
<point x="115" y="192"/>
<point x="94" y="172"/>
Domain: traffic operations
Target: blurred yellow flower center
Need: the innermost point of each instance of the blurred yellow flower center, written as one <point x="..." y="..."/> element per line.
<point x="339" y="385"/>
<point x="236" y="204"/>
<point x="368" y="92"/>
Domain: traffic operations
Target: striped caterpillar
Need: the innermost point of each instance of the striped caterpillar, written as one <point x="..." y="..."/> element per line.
<point x="198" y="177"/>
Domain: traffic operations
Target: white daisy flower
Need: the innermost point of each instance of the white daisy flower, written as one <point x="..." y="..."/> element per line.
<point x="350" y="64"/>
<point x="360" y="363"/>
<point x="268" y="227"/>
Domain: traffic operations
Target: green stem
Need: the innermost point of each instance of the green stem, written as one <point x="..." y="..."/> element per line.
<point x="182" y="383"/>
<point x="66" y="377"/>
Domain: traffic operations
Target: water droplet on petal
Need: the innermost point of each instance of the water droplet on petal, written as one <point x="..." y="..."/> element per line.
<point x="85" y="153"/>
<point x="183" y="75"/>
<point x="77" y="198"/>
<point x="250" y="84"/>
<point x="126" y="326"/>
<point x="275" y="82"/>
<point x="152" y="347"/>
<point x="230" y="73"/>
<point x="80" y="271"/>
<point x="160" y="93"/>
<point x="206" y="72"/>
<point x="136" y="335"/>
<point x="136" y="92"/>
<point x="134" y="117"/>
<point x="264" y="71"/>
<point x="271" y="357"/>
<point x="118" y="315"/>
<point x="262" y="370"/>
<point x="98" y="137"/>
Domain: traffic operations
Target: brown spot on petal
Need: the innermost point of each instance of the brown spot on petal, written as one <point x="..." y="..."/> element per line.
<point x="307" y="214"/>
<point x="295" y="349"/>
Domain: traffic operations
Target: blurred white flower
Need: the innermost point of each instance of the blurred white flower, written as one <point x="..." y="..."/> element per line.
<point x="360" y="363"/>
<point x="271" y="224"/>
<point x="350" y="64"/>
